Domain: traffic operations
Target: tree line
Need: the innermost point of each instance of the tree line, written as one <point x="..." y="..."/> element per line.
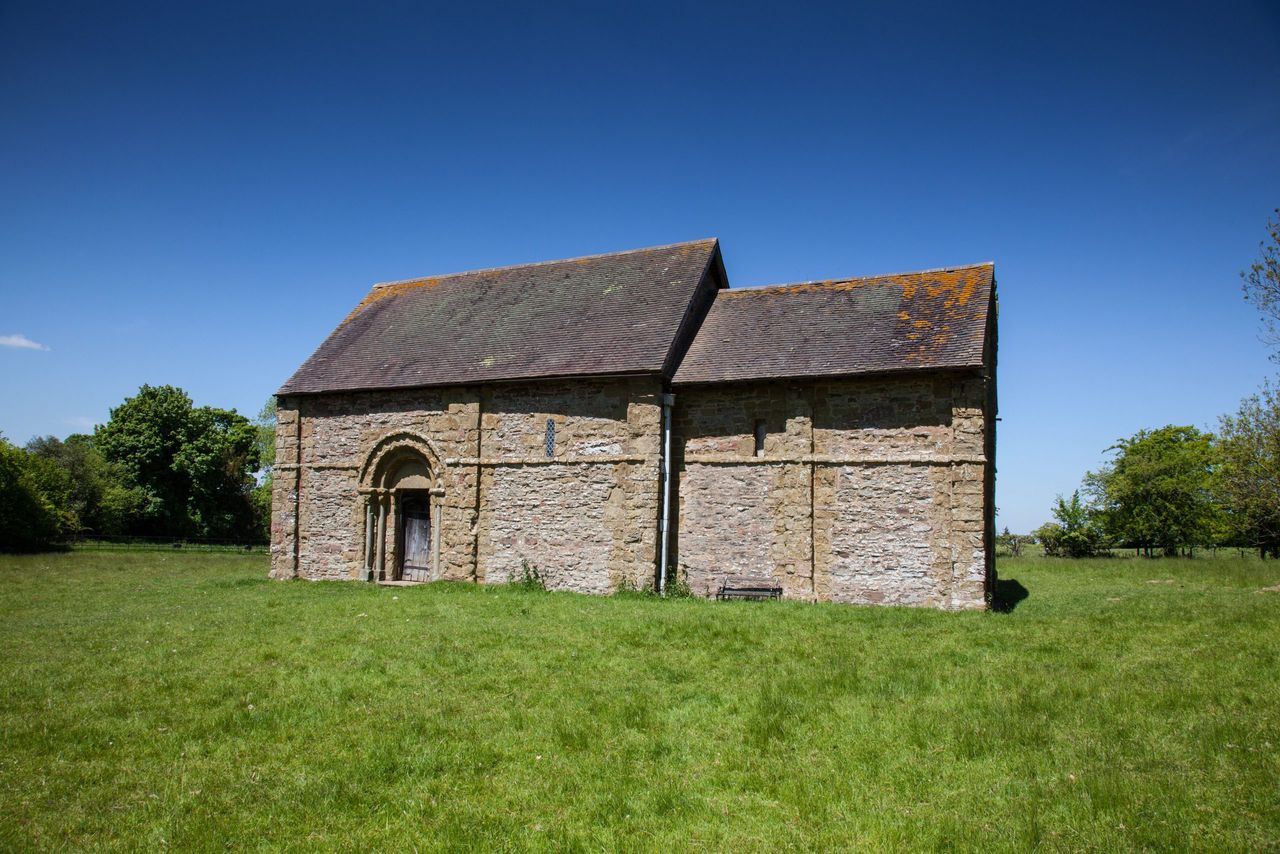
<point x="1177" y="487"/>
<point x="160" y="467"/>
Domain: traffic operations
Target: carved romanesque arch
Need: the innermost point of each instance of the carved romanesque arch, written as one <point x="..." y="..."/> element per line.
<point x="399" y="464"/>
<point x="394" y="450"/>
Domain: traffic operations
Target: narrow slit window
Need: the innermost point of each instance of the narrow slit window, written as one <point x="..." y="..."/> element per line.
<point x="551" y="438"/>
<point x="760" y="434"/>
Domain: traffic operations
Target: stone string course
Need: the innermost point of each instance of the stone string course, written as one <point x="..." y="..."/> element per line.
<point x="871" y="490"/>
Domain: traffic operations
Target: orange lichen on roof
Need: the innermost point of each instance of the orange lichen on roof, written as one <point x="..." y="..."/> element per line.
<point x="956" y="284"/>
<point x="953" y="284"/>
<point x="801" y="288"/>
<point x="929" y="319"/>
<point x="393" y="289"/>
<point x="929" y="301"/>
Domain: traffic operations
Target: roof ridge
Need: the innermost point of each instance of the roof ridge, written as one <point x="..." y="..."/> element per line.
<point x="544" y="263"/>
<point x="847" y="279"/>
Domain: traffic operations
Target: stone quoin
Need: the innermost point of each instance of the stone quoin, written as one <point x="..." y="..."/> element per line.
<point x="835" y="439"/>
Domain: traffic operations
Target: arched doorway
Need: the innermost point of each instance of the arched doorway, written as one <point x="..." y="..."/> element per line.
<point x="401" y="488"/>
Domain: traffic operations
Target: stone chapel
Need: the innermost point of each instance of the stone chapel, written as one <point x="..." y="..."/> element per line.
<point x="627" y="420"/>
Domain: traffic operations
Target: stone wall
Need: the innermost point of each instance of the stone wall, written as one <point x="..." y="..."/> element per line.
<point x="584" y="516"/>
<point x="872" y="490"/>
<point x="867" y="490"/>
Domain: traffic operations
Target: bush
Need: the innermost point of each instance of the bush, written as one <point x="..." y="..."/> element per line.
<point x="29" y="518"/>
<point x="1013" y="543"/>
<point x="1074" y="534"/>
<point x="678" y="585"/>
<point x="530" y="577"/>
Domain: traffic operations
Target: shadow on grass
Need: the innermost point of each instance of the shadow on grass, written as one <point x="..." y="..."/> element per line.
<point x="1009" y="592"/>
<point x="43" y="548"/>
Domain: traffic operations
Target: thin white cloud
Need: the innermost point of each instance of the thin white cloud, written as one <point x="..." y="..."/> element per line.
<point x="84" y="423"/>
<point x="20" y="341"/>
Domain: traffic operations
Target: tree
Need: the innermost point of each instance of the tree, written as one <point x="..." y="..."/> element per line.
<point x="266" y="427"/>
<point x="217" y="461"/>
<point x="266" y="430"/>
<point x="192" y="466"/>
<point x="1158" y="491"/>
<point x="29" y="520"/>
<point x="1262" y="283"/>
<point x="1013" y="542"/>
<point x="55" y="486"/>
<point x="97" y="493"/>
<point x="1073" y="534"/>
<point x="1248" y="481"/>
<point x="143" y="437"/>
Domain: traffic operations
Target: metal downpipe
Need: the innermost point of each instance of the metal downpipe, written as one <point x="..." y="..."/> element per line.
<point x="664" y="530"/>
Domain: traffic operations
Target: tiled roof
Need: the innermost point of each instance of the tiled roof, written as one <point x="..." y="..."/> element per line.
<point x="604" y="314"/>
<point x="931" y="319"/>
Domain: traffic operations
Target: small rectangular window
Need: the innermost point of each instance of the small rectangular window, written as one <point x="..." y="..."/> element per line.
<point x="550" y="438"/>
<point x="760" y="434"/>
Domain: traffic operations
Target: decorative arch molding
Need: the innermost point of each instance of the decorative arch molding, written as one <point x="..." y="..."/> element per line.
<point x="393" y="450"/>
<point x="400" y="467"/>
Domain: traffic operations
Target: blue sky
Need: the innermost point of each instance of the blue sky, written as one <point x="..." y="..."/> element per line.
<point x="196" y="194"/>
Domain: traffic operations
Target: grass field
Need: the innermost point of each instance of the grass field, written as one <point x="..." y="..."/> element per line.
<point x="152" y="701"/>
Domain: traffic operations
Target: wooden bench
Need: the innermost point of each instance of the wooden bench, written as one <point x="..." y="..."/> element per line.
<point x="744" y="587"/>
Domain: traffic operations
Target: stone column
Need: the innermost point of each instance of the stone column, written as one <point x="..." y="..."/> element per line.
<point x="286" y="490"/>
<point x="382" y="538"/>
<point x="477" y="569"/>
<point x="393" y="547"/>
<point x="436" y="515"/>
<point x="367" y="569"/>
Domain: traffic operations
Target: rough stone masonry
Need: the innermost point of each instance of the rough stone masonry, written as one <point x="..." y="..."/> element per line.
<point x="834" y="438"/>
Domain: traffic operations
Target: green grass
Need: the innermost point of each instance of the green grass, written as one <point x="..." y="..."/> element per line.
<point x="151" y="700"/>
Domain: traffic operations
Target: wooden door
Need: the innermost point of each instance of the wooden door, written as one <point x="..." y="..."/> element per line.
<point x="416" y="513"/>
